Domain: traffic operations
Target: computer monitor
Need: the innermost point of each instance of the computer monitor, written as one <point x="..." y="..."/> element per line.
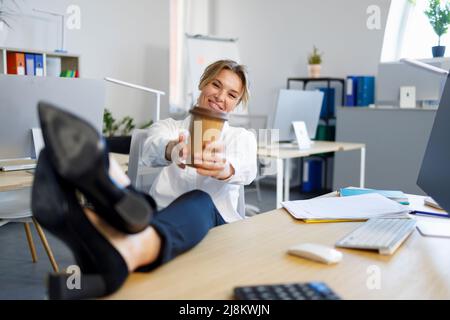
<point x="19" y="97"/>
<point x="297" y="105"/>
<point x="434" y="175"/>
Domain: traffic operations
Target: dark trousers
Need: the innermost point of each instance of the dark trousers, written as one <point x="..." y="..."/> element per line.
<point x="183" y="224"/>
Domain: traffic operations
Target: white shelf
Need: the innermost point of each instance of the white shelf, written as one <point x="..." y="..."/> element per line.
<point x="68" y="61"/>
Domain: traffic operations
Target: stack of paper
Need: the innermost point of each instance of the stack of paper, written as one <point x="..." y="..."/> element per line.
<point x="333" y="209"/>
<point x="398" y="196"/>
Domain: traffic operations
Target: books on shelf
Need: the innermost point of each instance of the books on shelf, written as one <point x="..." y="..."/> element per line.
<point x="337" y="209"/>
<point x="69" y="74"/>
<point x="394" y="195"/>
<point x="360" y="91"/>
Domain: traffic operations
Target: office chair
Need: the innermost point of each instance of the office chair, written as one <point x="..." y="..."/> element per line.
<point x="141" y="176"/>
<point x="251" y="122"/>
<point x="15" y="206"/>
<point x="137" y="172"/>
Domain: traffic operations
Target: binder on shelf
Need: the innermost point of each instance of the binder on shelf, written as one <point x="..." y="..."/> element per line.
<point x="312" y="175"/>
<point x="360" y="91"/>
<point x="29" y="64"/>
<point x="365" y="91"/>
<point x="39" y="65"/>
<point x="328" y="104"/>
<point x="15" y="63"/>
<point x="350" y="95"/>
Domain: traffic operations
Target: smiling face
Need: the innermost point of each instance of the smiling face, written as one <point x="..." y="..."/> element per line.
<point x="223" y="93"/>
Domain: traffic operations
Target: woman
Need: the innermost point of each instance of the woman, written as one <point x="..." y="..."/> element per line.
<point x="226" y="164"/>
<point x="122" y="232"/>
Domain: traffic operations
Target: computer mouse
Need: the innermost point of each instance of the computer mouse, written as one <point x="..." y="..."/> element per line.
<point x="316" y="252"/>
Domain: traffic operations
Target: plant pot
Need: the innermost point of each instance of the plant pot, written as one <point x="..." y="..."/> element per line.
<point x="314" y="70"/>
<point x="120" y="144"/>
<point x="438" y="51"/>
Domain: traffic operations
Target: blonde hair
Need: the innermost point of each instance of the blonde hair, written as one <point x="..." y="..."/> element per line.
<point x="214" y="69"/>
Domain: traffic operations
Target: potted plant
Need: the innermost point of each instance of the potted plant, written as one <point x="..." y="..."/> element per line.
<point x="439" y="17"/>
<point x="314" y="63"/>
<point x="118" y="133"/>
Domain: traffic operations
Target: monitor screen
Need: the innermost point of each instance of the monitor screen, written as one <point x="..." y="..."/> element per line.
<point x="434" y="175"/>
<point x="19" y="97"/>
<point x="297" y="105"/>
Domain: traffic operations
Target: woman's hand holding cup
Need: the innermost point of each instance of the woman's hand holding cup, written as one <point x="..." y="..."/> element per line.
<point x="177" y="151"/>
<point x="212" y="161"/>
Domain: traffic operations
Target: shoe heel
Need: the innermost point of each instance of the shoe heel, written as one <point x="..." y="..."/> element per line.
<point x="79" y="155"/>
<point x="64" y="286"/>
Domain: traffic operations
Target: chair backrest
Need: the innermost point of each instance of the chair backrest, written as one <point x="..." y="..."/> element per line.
<point x="241" y="202"/>
<point x="15" y="204"/>
<point x="136" y="170"/>
<point x="248" y="121"/>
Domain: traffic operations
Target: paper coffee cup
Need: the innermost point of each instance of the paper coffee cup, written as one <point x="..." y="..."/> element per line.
<point x="206" y="126"/>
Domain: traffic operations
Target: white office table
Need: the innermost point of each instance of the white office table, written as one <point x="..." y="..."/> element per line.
<point x="282" y="155"/>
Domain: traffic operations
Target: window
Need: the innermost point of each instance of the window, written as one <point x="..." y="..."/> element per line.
<point x="408" y="33"/>
<point x="186" y="16"/>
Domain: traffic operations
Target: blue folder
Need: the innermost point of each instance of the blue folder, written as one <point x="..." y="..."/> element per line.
<point x="365" y="94"/>
<point x="38" y="65"/>
<point x="391" y="194"/>
<point x="328" y="105"/>
<point x="29" y="64"/>
<point x="351" y="87"/>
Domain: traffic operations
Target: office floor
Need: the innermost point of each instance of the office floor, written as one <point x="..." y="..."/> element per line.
<point x="22" y="279"/>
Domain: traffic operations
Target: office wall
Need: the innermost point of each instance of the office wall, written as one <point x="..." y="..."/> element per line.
<point x="128" y="40"/>
<point x="275" y="37"/>
<point x="396" y="140"/>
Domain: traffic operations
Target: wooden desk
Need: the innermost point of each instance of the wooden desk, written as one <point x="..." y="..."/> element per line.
<point x="283" y="170"/>
<point x="253" y="251"/>
<point x="14" y="180"/>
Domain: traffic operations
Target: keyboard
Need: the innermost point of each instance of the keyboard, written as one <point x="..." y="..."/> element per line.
<point x="294" y="291"/>
<point x="384" y="235"/>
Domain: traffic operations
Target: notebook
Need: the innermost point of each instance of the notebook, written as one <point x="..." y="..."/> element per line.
<point x="398" y="196"/>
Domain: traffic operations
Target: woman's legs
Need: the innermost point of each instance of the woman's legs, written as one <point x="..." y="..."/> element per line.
<point x="137" y="249"/>
<point x="173" y="230"/>
<point x="183" y="224"/>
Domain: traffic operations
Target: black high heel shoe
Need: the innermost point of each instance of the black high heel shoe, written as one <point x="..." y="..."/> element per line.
<point x="56" y="208"/>
<point x="79" y="155"/>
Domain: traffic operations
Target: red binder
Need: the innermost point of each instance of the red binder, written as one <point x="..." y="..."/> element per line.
<point x="16" y="63"/>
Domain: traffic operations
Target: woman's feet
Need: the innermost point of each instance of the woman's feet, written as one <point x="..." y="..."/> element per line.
<point x="55" y="206"/>
<point x="79" y="155"/>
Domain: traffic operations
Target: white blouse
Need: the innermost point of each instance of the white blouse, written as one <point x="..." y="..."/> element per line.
<point x="173" y="181"/>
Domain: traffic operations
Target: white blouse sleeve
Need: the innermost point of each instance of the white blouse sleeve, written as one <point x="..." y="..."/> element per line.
<point x="241" y="153"/>
<point x="160" y="133"/>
